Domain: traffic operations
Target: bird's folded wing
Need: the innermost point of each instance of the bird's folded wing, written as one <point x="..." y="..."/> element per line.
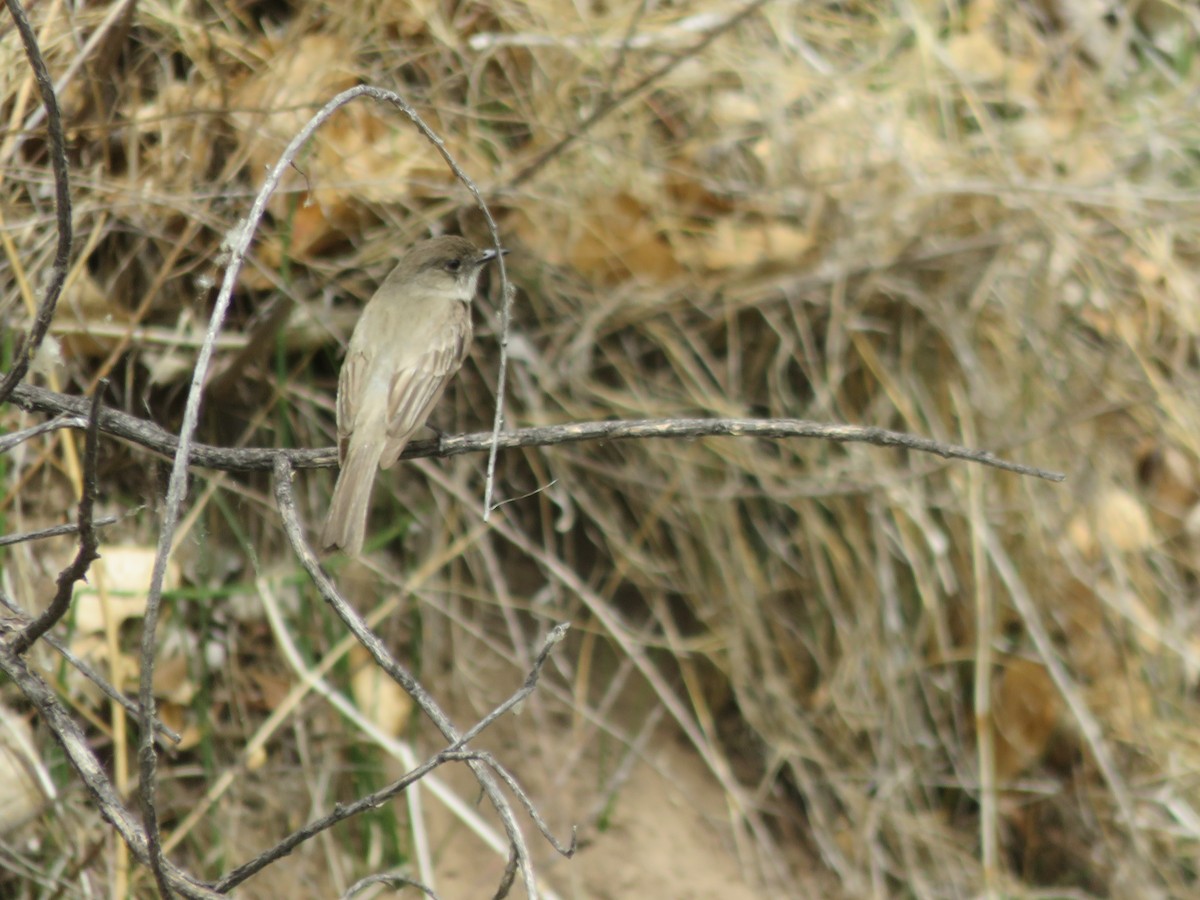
<point x="417" y="388"/>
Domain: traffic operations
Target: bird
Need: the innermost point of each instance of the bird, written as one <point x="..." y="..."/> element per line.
<point x="410" y="340"/>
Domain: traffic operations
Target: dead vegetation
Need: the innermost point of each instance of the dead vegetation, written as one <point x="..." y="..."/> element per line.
<point x="976" y="222"/>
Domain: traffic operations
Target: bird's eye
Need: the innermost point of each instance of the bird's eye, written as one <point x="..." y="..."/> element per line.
<point x="453" y="265"/>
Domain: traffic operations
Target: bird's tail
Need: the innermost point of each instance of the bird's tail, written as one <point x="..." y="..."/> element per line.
<point x="346" y="523"/>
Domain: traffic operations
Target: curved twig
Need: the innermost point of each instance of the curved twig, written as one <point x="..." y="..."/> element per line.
<point x="177" y="485"/>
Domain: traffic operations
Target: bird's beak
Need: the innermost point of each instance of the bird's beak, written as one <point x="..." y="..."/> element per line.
<point x="488" y="255"/>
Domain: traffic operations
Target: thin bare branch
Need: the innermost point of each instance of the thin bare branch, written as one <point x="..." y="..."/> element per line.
<point x="88" y="542"/>
<point x="62" y="203"/>
<point x="341" y="812"/>
<point x="489" y="486"/>
<point x="152" y="437"/>
<point x="8" y="441"/>
<point x="53" y="531"/>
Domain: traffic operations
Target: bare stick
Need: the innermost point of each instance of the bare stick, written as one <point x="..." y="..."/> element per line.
<point x="53" y="531"/>
<point x="62" y="203"/>
<point x="88" y="542"/>
<point x="489" y="484"/>
<point x="16" y="438"/>
<point x="397" y="672"/>
<point x="151" y="436"/>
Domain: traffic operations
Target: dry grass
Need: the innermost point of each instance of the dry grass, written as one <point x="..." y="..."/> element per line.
<point x="974" y="223"/>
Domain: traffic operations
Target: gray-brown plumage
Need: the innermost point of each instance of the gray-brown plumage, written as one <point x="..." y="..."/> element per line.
<point x="411" y="338"/>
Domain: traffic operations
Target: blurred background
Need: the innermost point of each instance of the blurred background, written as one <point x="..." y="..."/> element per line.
<point x="795" y="668"/>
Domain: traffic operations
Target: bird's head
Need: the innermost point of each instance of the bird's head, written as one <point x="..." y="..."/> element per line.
<point x="449" y="265"/>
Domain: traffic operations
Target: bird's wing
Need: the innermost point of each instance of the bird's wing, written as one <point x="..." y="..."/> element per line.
<point x="350" y="386"/>
<point x="417" y="388"/>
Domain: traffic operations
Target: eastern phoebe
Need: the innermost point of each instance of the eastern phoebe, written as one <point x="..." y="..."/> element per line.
<point x="411" y="338"/>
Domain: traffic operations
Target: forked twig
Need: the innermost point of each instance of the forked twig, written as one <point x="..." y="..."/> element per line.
<point x="453" y="752"/>
<point x="567" y="850"/>
<point x="399" y="674"/>
<point x="88" y="542"/>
